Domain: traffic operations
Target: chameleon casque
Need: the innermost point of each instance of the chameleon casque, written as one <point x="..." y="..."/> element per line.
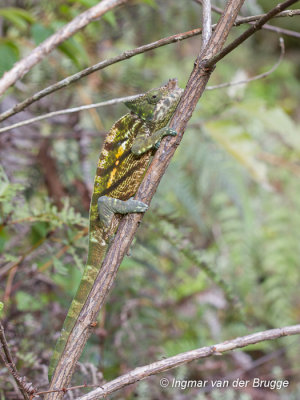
<point x="123" y="161"/>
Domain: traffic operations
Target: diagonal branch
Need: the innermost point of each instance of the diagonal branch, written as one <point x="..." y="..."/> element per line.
<point x="124" y="56"/>
<point x="24" y="65"/>
<point x="250" y="20"/>
<point x="128" y="225"/>
<point x="128" y="98"/>
<point x="184" y="358"/>
<point x="249" y="32"/>
<point x="253" y="78"/>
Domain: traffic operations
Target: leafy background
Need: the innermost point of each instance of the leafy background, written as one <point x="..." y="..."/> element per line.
<point x="217" y="255"/>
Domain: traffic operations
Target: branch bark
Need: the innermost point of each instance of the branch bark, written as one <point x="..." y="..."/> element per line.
<point x="206" y="23"/>
<point x="250" y="19"/>
<point x="24" y="65"/>
<point x="128" y="98"/>
<point x="127" y="228"/>
<point x="249" y="32"/>
<point x="124" y="56"/>
<point x="183" y="358"/>
<point x="197" y="82"/>
<point x="11" y="365"/>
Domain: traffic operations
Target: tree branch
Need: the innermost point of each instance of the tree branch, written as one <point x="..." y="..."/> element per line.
<point x="22" y="385"/>
<point x="180" y="359"/>
<point x="68" y="111"/>
<point x="128" y="98"/>
<point x="124" y="56"/>
<point x="128" y="225"/>
<point x="268" y="27"/>
<point x="24" y="65"/>
<point x="253" y="78"/>
<point x="206" y="23"/>
<point x="249" y="32"/>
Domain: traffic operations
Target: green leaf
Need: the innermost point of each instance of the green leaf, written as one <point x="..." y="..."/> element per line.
<point x="151" y="3"/>
<point x="17" y="16"/>
<point x="9" y="55"/>
<point x="40" y="33"/>
<point x="86" y="3"/>
<point x="110" y="18"/>
<point x="7" y="190"/>
<point x="38" y="231"/>
<point x="3" y="239"/>
<point x="74" y="51"/>
<point x="26" y="302"/>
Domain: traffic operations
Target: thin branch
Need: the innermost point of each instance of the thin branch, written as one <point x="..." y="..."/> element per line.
<point x="123" y="99"/>
<point x="68" y="111"/>
<point x="64" y="390"/>
<point x="184" y="358"/>
<point x="254" y="78"/>
<point x="96" y="67"/>
<point x="127" y="98"/>
<point x="250" y="20"/>
<point x="124" y="56"/>
<point x="214" y="8"/>
<point x="35" y="56"/>
<point x="10" y="365"/>
<point x="206" y="23"/>
<point x="249" y="32"/>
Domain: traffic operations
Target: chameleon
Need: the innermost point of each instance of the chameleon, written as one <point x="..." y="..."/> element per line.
<point x="124" y="158"/>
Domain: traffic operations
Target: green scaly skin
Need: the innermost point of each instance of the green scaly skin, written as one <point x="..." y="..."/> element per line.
<point x="122" y="164"/>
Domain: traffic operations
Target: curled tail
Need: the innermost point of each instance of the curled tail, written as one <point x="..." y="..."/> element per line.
<point x="96" y="255"/>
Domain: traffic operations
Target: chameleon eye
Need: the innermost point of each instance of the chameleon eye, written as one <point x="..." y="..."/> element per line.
<point x="154" y="98"/>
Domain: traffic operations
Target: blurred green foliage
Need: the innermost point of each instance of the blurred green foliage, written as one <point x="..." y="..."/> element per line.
<point x="217" y="255"/>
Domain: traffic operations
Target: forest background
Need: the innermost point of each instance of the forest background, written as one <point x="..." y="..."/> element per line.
<point x="217" y="255"/>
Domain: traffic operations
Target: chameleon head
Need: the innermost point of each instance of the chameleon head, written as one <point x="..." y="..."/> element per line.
<point x="157" y="105"/>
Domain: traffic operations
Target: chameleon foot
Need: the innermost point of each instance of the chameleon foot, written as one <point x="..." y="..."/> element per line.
<point x="108" y="206"/>
<point x="170" y="131"/>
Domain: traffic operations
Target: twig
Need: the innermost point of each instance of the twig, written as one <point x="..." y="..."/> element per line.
<point x="183" y="358"/>
<point x="35" y="56"/>
<point x="214" y="8"/>
<point x="124" y="56"/>
<point x="11" y="365"/>
<point x="128" y="225"/>
<point x="256" y="77"/>
<point x="266" y="26"/>
<point x="96" y="67"/>
<point x="68" y="111"/>
<point x="64" y="390"/>
<point x="123" y="99"/>
<point x="206" y="23"/>
<point x="249" y="32"/>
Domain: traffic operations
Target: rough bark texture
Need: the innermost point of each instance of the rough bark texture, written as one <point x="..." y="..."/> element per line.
<point x="195" y="88"/>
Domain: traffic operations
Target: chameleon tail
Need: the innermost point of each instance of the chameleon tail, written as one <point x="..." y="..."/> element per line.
<point x="96" y="252"/>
